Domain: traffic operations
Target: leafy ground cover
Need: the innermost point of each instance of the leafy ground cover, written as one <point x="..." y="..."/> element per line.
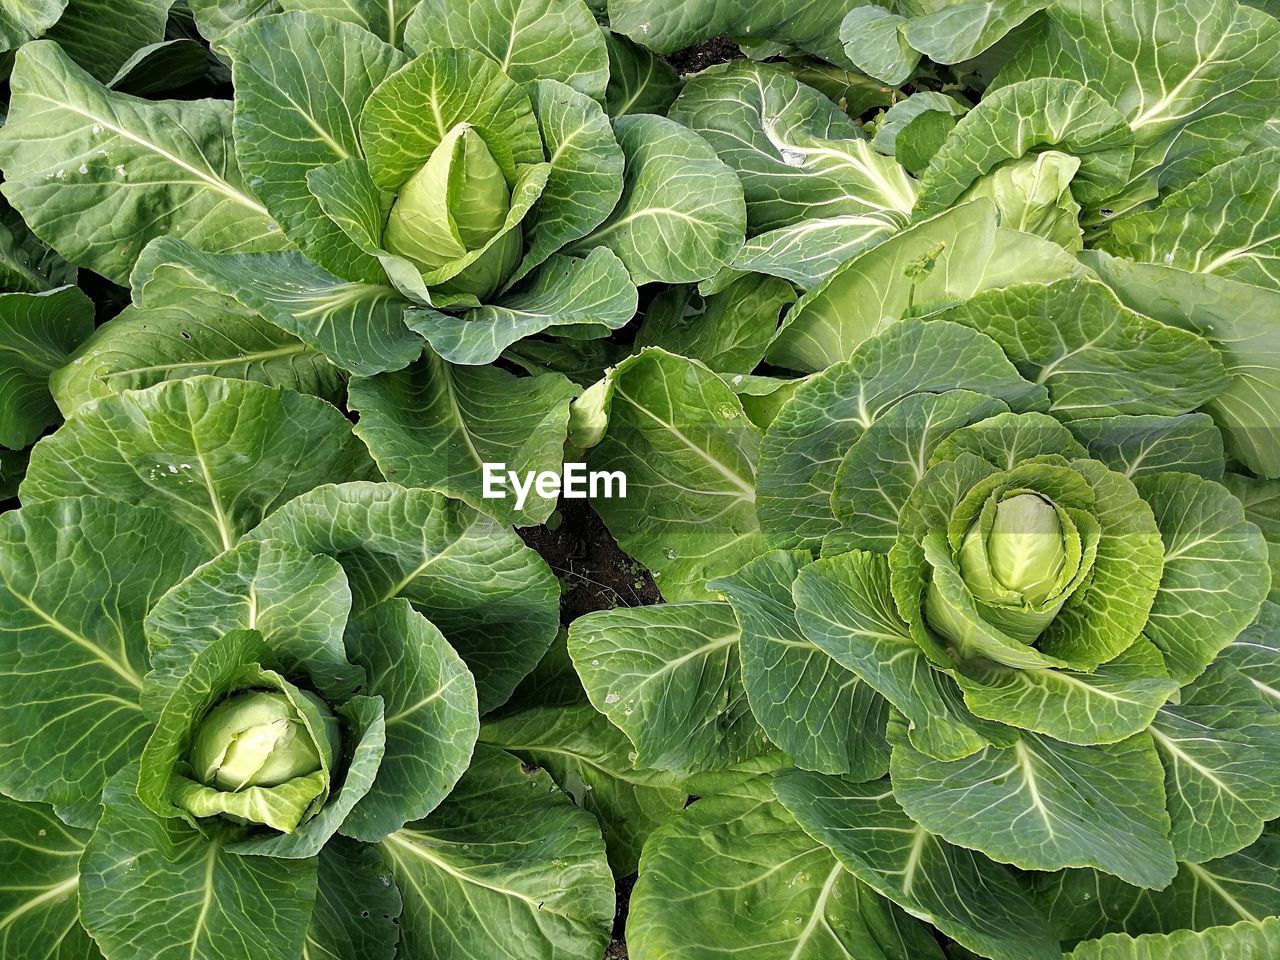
<point x="939" y="344"/>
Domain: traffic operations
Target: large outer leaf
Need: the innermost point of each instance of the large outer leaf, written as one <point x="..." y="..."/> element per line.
<point x="507" y="844"/>
<point x="347" y="195"/>
<point x="728" y="330"/>
<point x="103" y="35"/>
<point x="589" y="296"/>
<point x="1247" y="940"/>
<point x="13" y="465"/>
<point x="159" y="889"/>
<point x="26" y="263"/>
<point x="21" y="21"/>
<point x="1215" y="571"/>
<point x="591" y="760"/>
<point x="357" y="326"/>
<point x="529" y="39"/>
<point x="1096" y="357"/>
<point x="812" y="706"/>
<point x="436" y="426"/>
<point x="386" y="19"/>
<point x="164" y="66"/>
<point x="1219" y="748"/>
<point x="855" y="299"/>
<point x="639" y="80"/>
<point x="735" y="876"/>
<point x="678" y="433"/>
<point x="70" y="673"/>
<point x="1003" y="441"/>
<point x="1044" y="805"/>
<point x="903" y="119"/>
<point x="799" y="156"/>
<point x="889" y="46"/>
<point x="962" y="893"/>
<point x="492" y="597"/>
<point x="1261" y="502"/>
<point x="98" y="174"/>
<point x="213" y="18"/>
<point x="1195" y="79"/>
<point x="1083" y="904"/>
<point x="873" y="40"/>
<point x="1024" y="118"/>
<point x="879" y="471"/>
<point x="668" y="676"/>
<point x="38" y="333"/>
<point x="682" y="216"/>
<point x="219" y="454"/>
<point x="585" y="181"/>
<point x="1233" y="317"/>
<point x="300" y="83"/>
<point x="39" y="885"/>
<point x="297" y="602"/>
<point x="1116" y="700"/>
<point x="934" y="263"/>
<point x="189" y="333"/>
<point x="357" y="912"/>
<point x="552" y="683"/>
<point x="843" y="605"/>
<point x="1227" y="223"/>
<point x="430" y="699"/>
<point x="808" y="252"/>
<point x="1140" y="445"/>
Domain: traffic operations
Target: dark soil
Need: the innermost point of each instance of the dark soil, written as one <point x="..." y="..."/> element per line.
<point x="594" y="572"/>
<point x="108" y="298"/>
<point x="706" y="54"/>
<point x="618" y="948"/>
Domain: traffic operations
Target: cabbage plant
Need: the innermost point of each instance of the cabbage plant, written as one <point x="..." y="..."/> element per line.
<point x="1001" y="641"/>
<point x="969" y="552"/>
<point x="241" y="703"/>
<point x="437" y="175"/>
<point x="394" y="195"/>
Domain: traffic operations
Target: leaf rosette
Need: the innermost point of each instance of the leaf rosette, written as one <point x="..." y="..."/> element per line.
<point x="280" y="666"/>
<point x="1044" y="577"/>
<point x="1033" y="584"/>
<point x="430" y="172"/>
<point x="1032" y="602"/>
<point x="1002" y="606"/>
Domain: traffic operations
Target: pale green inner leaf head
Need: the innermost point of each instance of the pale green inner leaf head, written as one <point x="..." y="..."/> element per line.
<point x="1033" y="194"/>
<point x="453" y="205"/>
<point x="1024" y="552"/>
<point x="258" y="739"/>
<point x="1021" y="558"/>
